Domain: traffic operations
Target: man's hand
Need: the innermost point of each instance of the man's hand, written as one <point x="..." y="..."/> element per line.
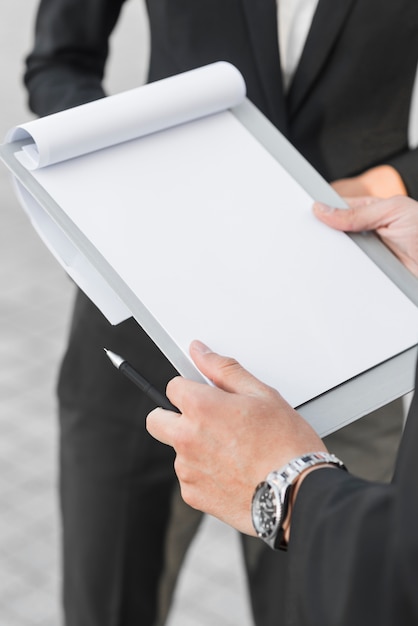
<point x="229" y="437"/>
<point x="395" y="221"/>
<point x="382" y="182"/>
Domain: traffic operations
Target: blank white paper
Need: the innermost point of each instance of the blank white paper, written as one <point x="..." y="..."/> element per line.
<point x="219" y="243"/>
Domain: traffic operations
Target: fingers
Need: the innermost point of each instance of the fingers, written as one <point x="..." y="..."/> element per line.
<point x="360" y="201"/>
<point x="225" y="372"/>
<point x="363" y="214"/>
<point x="229" y="377"/>
<point x="162" y="425"/>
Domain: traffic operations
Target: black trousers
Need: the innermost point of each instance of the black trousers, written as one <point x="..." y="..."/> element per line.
<point x="115" y="479"/>
<point x="118" y="488"/>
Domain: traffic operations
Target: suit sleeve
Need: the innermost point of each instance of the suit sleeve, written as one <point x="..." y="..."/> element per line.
<point x="66" y="65"/>
<point x="353" y="550"/>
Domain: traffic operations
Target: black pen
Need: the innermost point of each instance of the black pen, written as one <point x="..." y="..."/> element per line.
<point x="144" y="385"/>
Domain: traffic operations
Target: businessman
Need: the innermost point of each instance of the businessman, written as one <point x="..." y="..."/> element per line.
<point x="337" y="105"/>
<point x="352" y="544"/>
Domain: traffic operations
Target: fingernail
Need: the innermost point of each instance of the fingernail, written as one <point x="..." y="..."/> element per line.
<point x="200" y="347"/>
<point x="323" y="208"/>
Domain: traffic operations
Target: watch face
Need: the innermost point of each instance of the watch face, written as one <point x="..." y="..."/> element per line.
<point x="266" y="510"/>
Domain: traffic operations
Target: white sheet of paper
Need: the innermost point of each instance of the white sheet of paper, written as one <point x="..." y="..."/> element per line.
<point x="130" y="114"/>
<point x="220" y="244"/>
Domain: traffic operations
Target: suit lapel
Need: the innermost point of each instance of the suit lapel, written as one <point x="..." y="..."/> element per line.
<point x="261" y="18"/>
<point x="327" y="23"/>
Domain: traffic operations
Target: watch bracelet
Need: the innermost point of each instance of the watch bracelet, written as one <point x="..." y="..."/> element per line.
<point x="287" y="476"/>
<point x="296" y="466"/>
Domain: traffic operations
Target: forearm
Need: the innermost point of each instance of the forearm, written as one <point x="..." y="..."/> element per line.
<point x="383" y="181"/>
<point x="396" y="177"/>
<point x="66" y="65"/>
<point x="342" y="543"/>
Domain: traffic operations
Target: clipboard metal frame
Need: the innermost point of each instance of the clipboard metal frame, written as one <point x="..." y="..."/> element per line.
<point x="333" y="409"/>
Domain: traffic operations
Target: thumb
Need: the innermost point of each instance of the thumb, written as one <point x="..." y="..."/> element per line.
<point x="225" y="372"/>
<point x="364" y="214"/>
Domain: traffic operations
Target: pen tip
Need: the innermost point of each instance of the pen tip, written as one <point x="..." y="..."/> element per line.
<point x="114" y="358"/>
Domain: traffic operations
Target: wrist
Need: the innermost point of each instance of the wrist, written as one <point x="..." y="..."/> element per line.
<point x="272" y="501"/>
<point x="295" y="490"/>
<point x="383" y="181"/>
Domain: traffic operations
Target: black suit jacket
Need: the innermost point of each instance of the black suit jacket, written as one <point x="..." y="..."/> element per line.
<point x="353" y="552"/>
<point x="348" y="106"/>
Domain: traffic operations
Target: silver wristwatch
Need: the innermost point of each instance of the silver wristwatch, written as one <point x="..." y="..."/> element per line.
<point x="271" y="497"/>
